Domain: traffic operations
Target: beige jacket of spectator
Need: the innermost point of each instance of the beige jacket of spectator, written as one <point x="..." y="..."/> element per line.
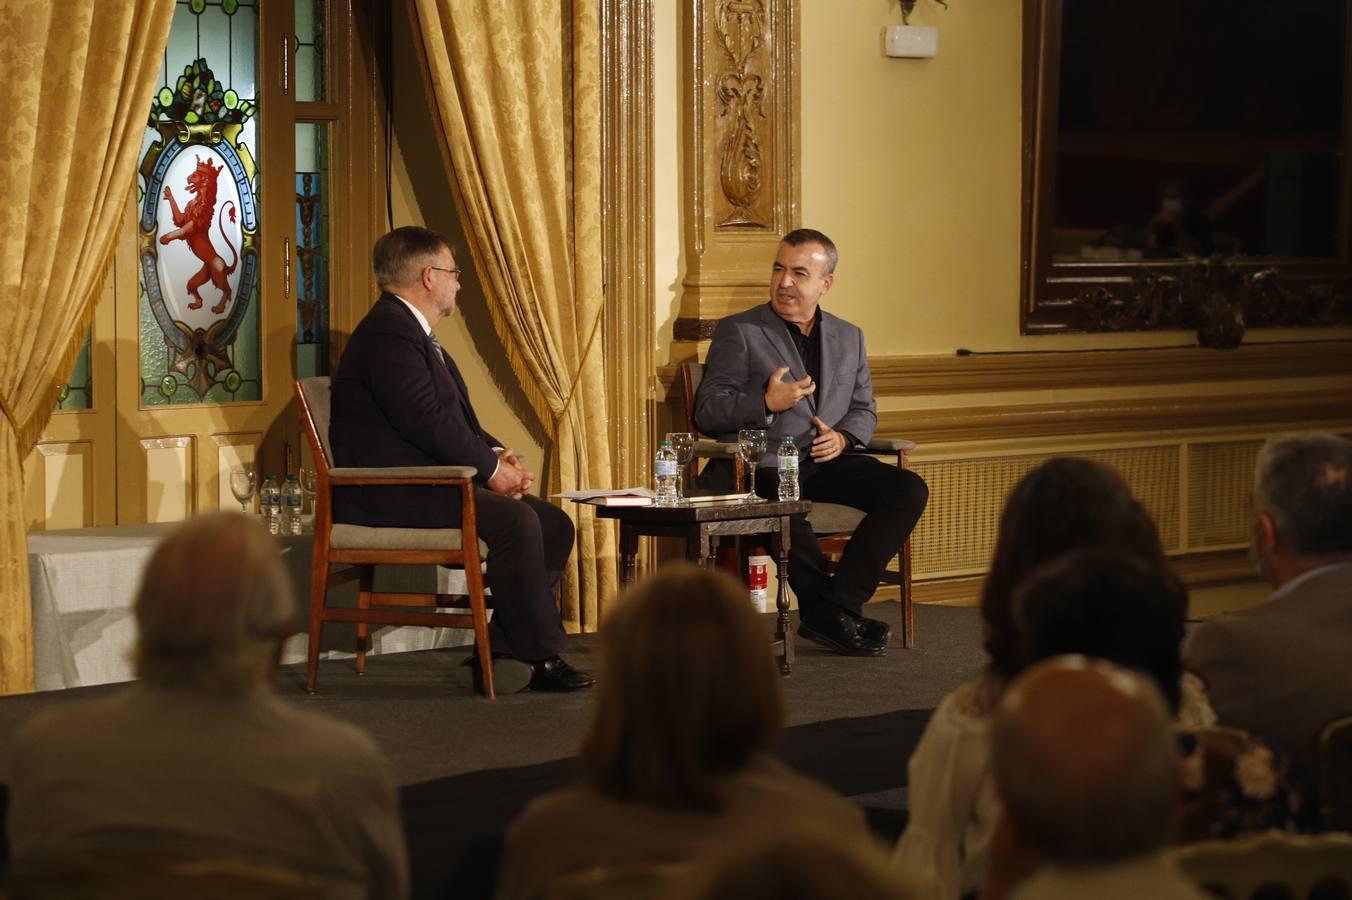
<point x="1279" y="669"/>
<point x="178" y="775"/>
<point x="581" y="828"/>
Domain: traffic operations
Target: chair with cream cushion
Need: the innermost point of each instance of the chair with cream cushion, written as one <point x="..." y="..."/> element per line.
<point x="361" y="548"/>
<point x="1268" y="865"/>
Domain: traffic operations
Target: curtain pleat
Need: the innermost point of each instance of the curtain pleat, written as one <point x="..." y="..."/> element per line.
<point x="77" y="77"/>
<point x="516" y="88"/>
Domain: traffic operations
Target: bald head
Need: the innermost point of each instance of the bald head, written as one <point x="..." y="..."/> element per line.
<point x="1085" y="762"/>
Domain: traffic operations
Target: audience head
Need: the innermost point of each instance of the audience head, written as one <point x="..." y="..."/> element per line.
<point x="214" y="606"/>
<point x="792" y="864"/>
<point x="687" y="690"/>
<point x="1110" y="605"/>
<point x="1085" y="762"/>
<point x="1062" y="505"/>
<point x="1302" y="504"/>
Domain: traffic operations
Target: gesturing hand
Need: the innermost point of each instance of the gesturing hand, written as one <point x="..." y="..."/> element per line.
<point x="828" y="444"/>
<point x="782" y="395"/>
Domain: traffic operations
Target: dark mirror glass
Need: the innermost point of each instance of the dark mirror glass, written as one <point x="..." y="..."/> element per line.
<point x="1188" y="128"/>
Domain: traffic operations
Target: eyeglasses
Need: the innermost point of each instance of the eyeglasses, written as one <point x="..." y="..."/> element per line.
<point x="455" y="271"/>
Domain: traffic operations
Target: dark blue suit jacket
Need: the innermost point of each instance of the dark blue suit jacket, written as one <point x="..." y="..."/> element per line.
<point x="396" y="404"/>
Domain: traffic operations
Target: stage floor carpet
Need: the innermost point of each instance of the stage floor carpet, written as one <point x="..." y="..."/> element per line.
<point x="468" y="766"/>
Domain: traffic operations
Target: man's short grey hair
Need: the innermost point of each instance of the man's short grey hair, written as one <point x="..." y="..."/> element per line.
<point x="214" y="602"/>
<point x="399" y="257"/>
<point x="1121" y="817"/>
<point x="1304" y="482"/>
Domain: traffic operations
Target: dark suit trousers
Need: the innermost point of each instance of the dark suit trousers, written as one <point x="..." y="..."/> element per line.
<point x="892" y="500"/>
<point x="529" y="541"/>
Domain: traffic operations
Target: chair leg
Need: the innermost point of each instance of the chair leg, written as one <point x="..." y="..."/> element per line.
<point x="474" y="585"/>
<point x="907" y="610"/>
<point x="319" y="588"/>
<point x="368" y="574"/>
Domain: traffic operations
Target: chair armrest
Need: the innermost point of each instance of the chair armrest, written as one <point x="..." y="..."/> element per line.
<point x="402" y="475"/>
<point x="715" y="450"/>
<point x="889" y="445"/>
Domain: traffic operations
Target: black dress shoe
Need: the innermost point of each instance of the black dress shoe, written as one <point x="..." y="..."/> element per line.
<point x="873" y="630"/>
<point x="554" y="674"/>
<point x="841" y="634"/>
<point x="510" y="675"/>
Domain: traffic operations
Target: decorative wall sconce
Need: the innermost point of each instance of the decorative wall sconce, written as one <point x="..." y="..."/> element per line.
<point x="909" y="41"/>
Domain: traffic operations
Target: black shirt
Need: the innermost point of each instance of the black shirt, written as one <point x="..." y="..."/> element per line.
<point x="809" y="345"/>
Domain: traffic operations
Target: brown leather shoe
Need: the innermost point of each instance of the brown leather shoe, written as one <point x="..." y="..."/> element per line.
<point x="554" y="674"/>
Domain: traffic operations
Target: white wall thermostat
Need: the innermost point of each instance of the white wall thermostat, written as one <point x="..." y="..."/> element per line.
<point x="911" y="41"/>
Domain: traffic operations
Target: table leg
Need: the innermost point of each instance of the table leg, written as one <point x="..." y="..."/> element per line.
<point x="628" y="553"/>
<point x="782" y="632"/>
<point x="697" y="546"/>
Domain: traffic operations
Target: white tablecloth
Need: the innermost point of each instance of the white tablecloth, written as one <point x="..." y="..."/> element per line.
<point x="84" y="582"/>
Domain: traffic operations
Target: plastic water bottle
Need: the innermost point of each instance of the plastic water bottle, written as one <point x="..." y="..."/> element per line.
<point x="292" y="501"/>
<point x="271" y="498"/>
<point x="668" y="473"/>
<point x="788" y="469"/>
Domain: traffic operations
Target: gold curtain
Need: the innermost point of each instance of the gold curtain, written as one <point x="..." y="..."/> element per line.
<point x="77" y="77"/>
<point x="516" y="92"/>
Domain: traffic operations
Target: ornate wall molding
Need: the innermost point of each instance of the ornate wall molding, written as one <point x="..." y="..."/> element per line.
<point x="627" y="230"/>
<point x="1134" y="415"/>
<point x="900" y="376"/>
<point x="741" y="156"/>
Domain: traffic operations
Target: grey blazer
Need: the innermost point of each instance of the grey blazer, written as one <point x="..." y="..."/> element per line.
<point x="746" y="350"/>
<point x="1280" y="669"/>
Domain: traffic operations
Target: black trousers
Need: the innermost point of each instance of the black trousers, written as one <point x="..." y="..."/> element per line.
<point x="892" y="500"/>
<point x="529" y="542"/>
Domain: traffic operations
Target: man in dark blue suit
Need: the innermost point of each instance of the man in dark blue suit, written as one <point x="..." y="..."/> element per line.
<point x="399" y="400"/>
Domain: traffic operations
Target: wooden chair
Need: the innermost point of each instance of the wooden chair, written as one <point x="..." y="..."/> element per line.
<point x="1267" y="865"/>
<point x="362" y="548"/>
<point x="1335" y="774"/>
<point x="832" y="523"/>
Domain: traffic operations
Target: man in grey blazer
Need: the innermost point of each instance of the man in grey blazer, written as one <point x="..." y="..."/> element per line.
<point x="1279" y="669"/>
<point x="796" y="370"/>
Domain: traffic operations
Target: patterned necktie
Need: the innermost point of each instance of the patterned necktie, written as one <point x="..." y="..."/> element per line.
<point x="441" y="354"/>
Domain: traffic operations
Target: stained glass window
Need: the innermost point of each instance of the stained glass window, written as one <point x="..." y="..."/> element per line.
<point x="78" y="391"/>
<point x="197" y="195"/>
<point x="311" y="271"/>
<point x="310" y="50"/>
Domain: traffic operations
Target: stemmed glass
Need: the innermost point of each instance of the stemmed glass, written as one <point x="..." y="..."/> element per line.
<point x="683" y="442"/>
<point x="751" y="444"/>
<point x="243" y="483"/>
<point x="309" y="484"/>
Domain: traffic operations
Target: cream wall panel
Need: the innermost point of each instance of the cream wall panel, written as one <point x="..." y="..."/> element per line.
<point x="170" y="482"/>
<point x="66" y="479"/>
<point x="234" y="450"/>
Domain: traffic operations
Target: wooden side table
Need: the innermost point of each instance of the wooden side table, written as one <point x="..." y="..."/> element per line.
<point x="699" y="524"/>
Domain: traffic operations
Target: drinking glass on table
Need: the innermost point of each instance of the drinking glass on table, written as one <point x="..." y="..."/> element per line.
<point x="683" y="442"/>
<point x="243" y="483"/>
<point x="751" y="445"/>
<point x="309" y="482"/>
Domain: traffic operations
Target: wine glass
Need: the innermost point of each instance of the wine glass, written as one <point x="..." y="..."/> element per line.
<point x="309" y="484"/>
<point x="751" y="444"/>
<point x="683" y="442"/>
<point x="243" y="483"/>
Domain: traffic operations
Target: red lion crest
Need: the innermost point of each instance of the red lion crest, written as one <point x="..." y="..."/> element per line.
<point x="193" y="224"/>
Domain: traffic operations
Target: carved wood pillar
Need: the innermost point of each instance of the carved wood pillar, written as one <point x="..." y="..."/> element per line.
<point x="741" y="87"/>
